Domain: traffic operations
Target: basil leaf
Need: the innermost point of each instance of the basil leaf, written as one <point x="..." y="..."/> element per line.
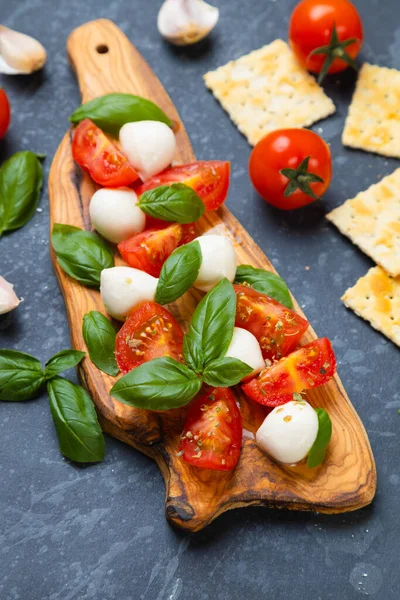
<point x="225" y="372"/>
<point x="179" y="272"/>
<point x="21" y="376"/>
<point x="81" y="254"/>
<point x="176" y="202"/>
<point x="160" y="384"/>
<point x="79" y="433"/>
<point x="265" y="282"/>
<point x="112" y="111"/>
<point x="317" y="453"/>
<point x="211" y="327"/>
<point x="99" y="335"/>
<point x="21" y="179"/>
<point x="66" y="359"/>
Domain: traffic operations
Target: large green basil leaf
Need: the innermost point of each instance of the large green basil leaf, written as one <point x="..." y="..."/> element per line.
<point x="66" y="359"/>
<point x="81" y="254"/>
<point x="179" y="272"/>
<point x="211" y="327"/>
<point x="225" y="372"/>
<point x="111" y="111"/>
<point x="160" y="384"/>
<point x="317" y="453"/>
<point x="176" y="202"/>
<point x="100" y="336"/>
<point x="78" y="430"/>
<point x="21" y="178"/>
<point x="21" y="376"/>
<point x="265" y="282"/>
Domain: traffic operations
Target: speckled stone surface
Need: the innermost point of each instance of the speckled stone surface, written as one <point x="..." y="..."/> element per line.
<point x="71" y="533"/>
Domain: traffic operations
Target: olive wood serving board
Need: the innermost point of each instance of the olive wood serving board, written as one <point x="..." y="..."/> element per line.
<point x="105" y="61"/>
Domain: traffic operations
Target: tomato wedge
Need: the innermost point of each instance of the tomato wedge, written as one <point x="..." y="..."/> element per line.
<point x="310" y="366"/>
<point x="5" y="113"/>
<point x="149" y="250"/>
<point x="212" y="436"/>
<point x="277" y="328"/>
<point x="210" y="179"/>
<point x="149" y="332"/>
<point x="97" y="155"/>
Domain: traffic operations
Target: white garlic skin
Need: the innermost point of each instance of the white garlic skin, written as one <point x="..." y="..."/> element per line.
<point x="115" y="215"/>
<point x="288" y="432"/>
<point x="218" y="261"/>
<point x="8" y="298"/>
<point x="245" y="347"/>
<point x="150" y="146"/>
<point x="20" y="54"/>
<point x="123" y="288"/>
<point x="185" y="22"/>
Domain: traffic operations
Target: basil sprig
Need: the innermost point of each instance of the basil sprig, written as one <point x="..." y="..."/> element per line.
<point x="176" y="202"/>
<point x="317" y="453"/>
<point x="64" y="360"/>
<point x="225" y="372"/>
<point x="179" y="272"/>
<point x="112" y="111"/>
<point x="99" y="336"/>
<point x="81" y="254"/>
<point x="21" y="179"/>
<point x="265" y="282"/>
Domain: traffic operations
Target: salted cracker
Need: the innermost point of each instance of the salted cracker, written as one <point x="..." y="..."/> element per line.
<point x="267" y="90"/>
<point x="376" y="298"/>
<point x="373" y="122"/>
<point x="372" y="221"/>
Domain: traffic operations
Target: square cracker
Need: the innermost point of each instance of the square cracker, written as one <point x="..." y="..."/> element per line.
<point x="373" y="122"/>
<point x="372" y="221"/>
<point x="376" y="298"/>
<point x="267" y="90"/>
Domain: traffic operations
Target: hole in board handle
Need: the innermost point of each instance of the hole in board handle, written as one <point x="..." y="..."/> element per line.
<point x="102" y="49"/>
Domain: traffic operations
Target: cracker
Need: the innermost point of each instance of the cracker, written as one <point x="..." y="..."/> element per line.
<point x="373" y="122"/>
<point x="376" y="298"/>
<point x="267" y="90"/>
<point x="372" y="221"/>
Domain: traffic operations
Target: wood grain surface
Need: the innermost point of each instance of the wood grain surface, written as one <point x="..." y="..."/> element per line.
<point x="105" y="61"/>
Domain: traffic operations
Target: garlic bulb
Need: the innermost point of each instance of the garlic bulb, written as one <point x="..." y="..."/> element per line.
<point x="184" y="22"/>
<point x="20" y="54"/>
<point x="8" y="298"/>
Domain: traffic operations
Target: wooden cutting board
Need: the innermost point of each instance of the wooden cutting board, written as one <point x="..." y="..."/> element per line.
<point x="105" y="61"/>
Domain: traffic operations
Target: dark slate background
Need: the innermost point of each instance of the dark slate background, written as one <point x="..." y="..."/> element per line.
<point x="69" y="533"/>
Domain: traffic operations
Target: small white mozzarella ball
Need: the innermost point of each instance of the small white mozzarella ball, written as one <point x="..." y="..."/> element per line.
<point x="123" y="288"/>
<point x="150" y="146"/>
<point x="245" y="347"/>
<point x="115" y="215"/>
<point x="218" y="261"/>
<point x="289" y="432"/>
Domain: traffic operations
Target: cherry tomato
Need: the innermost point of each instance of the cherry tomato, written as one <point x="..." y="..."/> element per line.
<point x="149" y="332"/>
<point x="210" y="179"/>
<point x="277" y="328"/>
<point x="314" y="24"/>
<point x="310" y="366"/>
<point x="95" y="153"/>
<point x="212" y="436"/>
<point x="288" y="150"/>
<point x="149" y="250"/>
<point x="5" y="113"/>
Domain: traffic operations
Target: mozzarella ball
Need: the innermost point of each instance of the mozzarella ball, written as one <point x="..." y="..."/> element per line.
<point x="289" y="432"/>
<point x="245" y="347"/>
<point x="115" y="214"/>
<point x="218" y="261"/>
<point x="150" y="146"/>
<point x="123" y="288"/>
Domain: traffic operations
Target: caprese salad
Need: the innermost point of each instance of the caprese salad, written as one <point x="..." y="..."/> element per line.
<point x="243" y="331"/>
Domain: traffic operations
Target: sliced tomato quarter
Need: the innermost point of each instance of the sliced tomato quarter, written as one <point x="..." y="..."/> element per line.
<point x="212" y="436"/>
<point x="149" y="332"/>
<point x="277" y="328"/>
<point x="210" y="179"/>
<point x="309" y="367"/>
<point x="149" y="250"/>
<point x="97" y="155"/>
<point x="5" y="113"/>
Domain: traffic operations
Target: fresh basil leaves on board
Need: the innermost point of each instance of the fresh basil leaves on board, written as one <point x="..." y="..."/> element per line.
<point x="99" y="336"/>
<point x="264" y="282"/>
<point x="21" y="179"/>
<point x="179" y="272"/>
<point x="112" y="111"/>
<point x="176" y="203"/>
<point x="318" y="449"/>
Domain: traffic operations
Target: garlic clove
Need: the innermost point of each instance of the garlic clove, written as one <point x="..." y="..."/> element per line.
<point x="184" y="22"/>
<point x="8" y="298"/>
<point x="20" y="54"/>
